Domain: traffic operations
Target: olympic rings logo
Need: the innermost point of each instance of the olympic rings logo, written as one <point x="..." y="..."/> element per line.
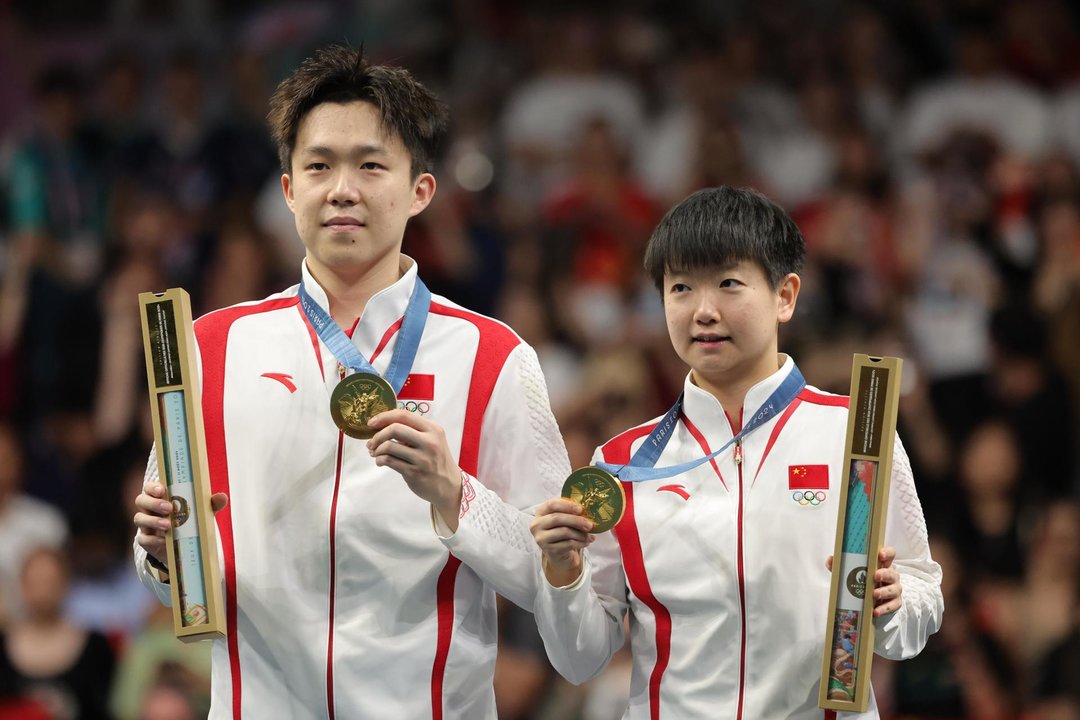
<point x="412" y="406"/>
<point x="809" y="497"/>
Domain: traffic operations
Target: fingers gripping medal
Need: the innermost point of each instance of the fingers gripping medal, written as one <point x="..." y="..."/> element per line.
<point x="357" y="399"/>
<point x="599" y="494"/>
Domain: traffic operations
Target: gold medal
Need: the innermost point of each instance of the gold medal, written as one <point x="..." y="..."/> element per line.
<point x="599" y="494"/>
<point x="357" y="399"/>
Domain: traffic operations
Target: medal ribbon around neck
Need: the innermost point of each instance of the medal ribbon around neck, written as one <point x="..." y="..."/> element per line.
<point x="408" y="336"/>
<point x="642" y="465"/>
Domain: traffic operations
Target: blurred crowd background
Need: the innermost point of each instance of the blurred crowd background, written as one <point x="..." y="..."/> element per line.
<point x="929" y="150"/>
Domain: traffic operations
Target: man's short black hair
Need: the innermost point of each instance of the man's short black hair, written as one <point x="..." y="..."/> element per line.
<point x="339" y="74"/>
<point x="721" y="226"/>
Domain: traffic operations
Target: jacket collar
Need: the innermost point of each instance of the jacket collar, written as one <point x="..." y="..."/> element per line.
<point x="385" y="307"/>
<point x="705" y="411"/>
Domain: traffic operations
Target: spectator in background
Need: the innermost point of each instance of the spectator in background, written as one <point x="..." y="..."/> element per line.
<point x="170" y="700"/>
<point x="174" y="158"/>
<point x="243" y="265"/>
<point x="119" y="117"/>
<point x="523" y="676"/>
<point x="239" y="151"/>
<point x="66" y="669"/>
<point x="54" y="205"/>
<point x="693" y="140"/>
<point x="105" y="595"/>
<point x="955" y="284"/>
<point x="596" y="225"/>
<point x="851" y="238"/>
<point x="546" y="113"/>
<point x="987" y="531"/>
<point x="155" y="671"/>
<point x="1026" y="390"/>
<point x="25" y="523"/>
<point x="963" y="672"/>
<point x="982" y="96"/>
<point x="1057" y="286"/>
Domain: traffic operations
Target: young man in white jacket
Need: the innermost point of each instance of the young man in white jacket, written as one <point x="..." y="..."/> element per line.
<point x="723" y="569"/>
<point x="360" y="576"/>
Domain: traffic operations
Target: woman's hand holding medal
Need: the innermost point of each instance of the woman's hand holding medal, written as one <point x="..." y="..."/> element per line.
<point x="561" y="529"/>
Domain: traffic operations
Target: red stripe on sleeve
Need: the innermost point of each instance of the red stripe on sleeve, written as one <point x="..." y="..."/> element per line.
<point x="495" y="345"/>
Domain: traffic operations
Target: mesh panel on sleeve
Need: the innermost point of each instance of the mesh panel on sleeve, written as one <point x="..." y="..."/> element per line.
<point x="903" y="492"/>
<point x="549" y="469"/>
<point x="501" y="522"/>
<point x="553" y="466"/>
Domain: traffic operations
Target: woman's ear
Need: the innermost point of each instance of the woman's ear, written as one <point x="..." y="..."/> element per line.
<point x="788" y="295"/>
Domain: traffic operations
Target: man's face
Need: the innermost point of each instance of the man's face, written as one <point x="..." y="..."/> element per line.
<point x="723" y="322"/>
<point x="351" y="192"/>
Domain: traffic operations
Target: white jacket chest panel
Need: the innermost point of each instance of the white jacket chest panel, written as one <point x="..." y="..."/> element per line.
<point x="690" y="548"/>
<point x="283" y="491"/>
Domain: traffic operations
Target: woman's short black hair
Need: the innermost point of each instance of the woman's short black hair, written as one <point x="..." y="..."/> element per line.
<point x="724" y="225"/>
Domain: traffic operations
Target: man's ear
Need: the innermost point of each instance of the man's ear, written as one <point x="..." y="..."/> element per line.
<point x="287" y="191"/>
<point x="423" y="191"/>
<point x="788" y="295"/>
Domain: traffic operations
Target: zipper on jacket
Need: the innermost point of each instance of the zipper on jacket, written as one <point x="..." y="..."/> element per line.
<point x="330" y="704"/>
<point x="738" y="457"/>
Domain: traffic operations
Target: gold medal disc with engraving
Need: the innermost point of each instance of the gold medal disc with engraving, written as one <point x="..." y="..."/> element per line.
<point x="599" y="494"/>
<point x="357" y="399"/>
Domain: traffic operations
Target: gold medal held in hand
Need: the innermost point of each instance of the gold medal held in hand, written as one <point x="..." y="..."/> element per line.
<point x="599" y="494"/>
<point x="357" y="399"/>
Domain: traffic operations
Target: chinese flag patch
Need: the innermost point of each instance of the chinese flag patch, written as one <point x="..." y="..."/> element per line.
<point x="418" y="387"/>
<point x="808" y="477"/>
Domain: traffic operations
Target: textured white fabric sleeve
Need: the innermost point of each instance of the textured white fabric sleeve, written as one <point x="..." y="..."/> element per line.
<point x="146" y="573"/>
<point x="582" y="624"/>
<point x="903" y="634"/>
<point x="522" y="462"/>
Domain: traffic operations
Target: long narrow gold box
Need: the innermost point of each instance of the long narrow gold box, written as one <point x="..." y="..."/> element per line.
<point x="176" y="408"/>
<point x="860" y="531"/>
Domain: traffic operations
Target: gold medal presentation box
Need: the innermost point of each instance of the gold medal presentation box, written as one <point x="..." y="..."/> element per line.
<point x="860" y="530"/>
<point x="176" y="407"/>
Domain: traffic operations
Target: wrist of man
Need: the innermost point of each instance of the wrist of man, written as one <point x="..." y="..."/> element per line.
<point x="450" y="507"/>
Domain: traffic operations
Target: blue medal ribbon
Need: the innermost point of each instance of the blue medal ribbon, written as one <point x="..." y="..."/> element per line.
<point x="408" y="339"/>
<point x="642" y="464"/>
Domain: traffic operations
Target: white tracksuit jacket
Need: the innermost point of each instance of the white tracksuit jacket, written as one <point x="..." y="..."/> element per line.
<point x="723" y="572"/>
<point x="341" y="598"/>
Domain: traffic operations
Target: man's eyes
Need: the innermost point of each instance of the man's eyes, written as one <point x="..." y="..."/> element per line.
<point x="320" y="166"/>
